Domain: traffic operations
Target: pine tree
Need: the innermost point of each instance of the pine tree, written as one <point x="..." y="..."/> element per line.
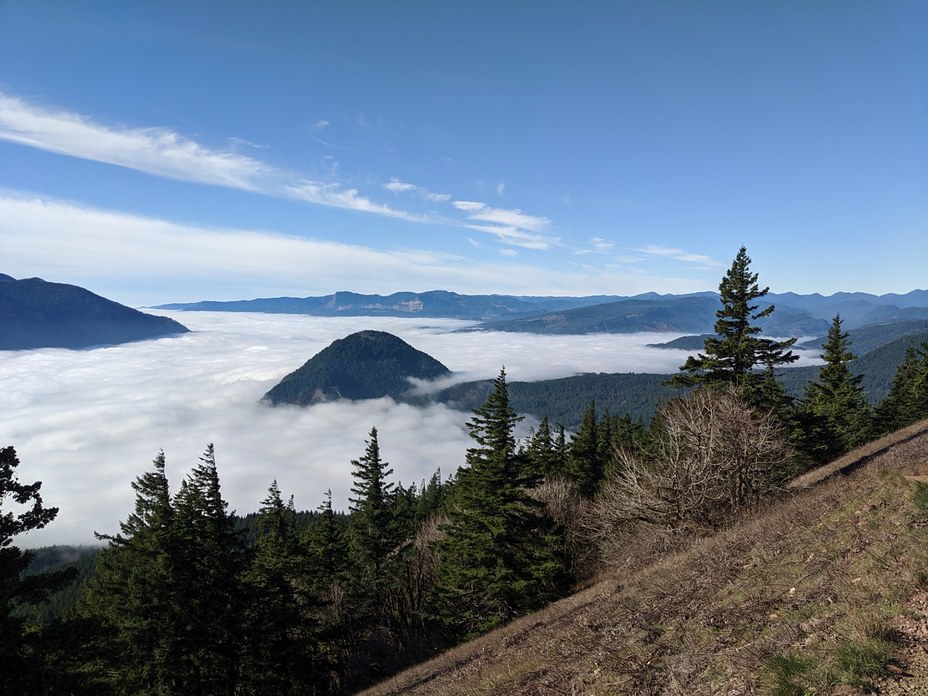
<point x="373" y="532"/>
<point x="282" y="652"/>
<point x="731" y="356"/>
<point x="212" y="560"/>
<point x="22" y="652"/>
<point x="834" y="405"/>
<point x="586" y="461"/>
<point x="907" y="400"/>
<point x="540" y="455"/>
<point x="135" y="597"/>
<point x="498" y="557"/>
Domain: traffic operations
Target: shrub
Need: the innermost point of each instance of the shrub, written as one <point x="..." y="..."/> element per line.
<point x="712" y="456"/>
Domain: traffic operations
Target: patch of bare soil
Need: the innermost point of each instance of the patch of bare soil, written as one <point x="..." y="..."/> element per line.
<point x="909" y="671"/>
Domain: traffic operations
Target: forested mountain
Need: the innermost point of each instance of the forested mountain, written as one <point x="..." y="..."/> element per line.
<point x="364" y="365"/>
<point x="565" y="400"/>
<point x="38" y="314"/>
<point x="796" y="315"/>
<point x="434" y="304"/>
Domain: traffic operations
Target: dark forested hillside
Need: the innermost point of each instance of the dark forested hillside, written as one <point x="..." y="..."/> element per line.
<point x="38" y="314"/>
<point x="364" y="365"/>
<point x="565" y="400"/>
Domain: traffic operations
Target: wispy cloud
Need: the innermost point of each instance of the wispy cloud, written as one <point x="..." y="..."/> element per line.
<point x="397" y="186"/>
<point x="335" y="196"/>
<point x="159" y="151"/>
<point x="320" y="125"/>
<point x="166" y="153"/>
<point x="510" y="226"/>
<point x="139" y="260"/>
<point x="681" y="255"/>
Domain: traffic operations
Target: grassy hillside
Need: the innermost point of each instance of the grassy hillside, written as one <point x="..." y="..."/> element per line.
<point x="824" y="591"/>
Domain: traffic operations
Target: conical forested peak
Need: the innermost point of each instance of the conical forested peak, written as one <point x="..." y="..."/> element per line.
<point x="365" y="365"/>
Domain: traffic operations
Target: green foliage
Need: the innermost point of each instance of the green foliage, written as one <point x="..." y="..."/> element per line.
<point x="786" y="673"/>
<point x="907" y="400"/>
<point x="586" y="455"/>
<point x="281" y="651"/>
<point x="834" y="409"/>
<point x="733" y="353"/>
<point x="364" y="365"/>
<point x="857" y="662"/>
<point x="499" y="556"/>
<point x="22" y="650"/>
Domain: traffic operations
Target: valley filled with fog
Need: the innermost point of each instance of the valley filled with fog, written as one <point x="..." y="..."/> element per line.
<point x="86" y="423"/>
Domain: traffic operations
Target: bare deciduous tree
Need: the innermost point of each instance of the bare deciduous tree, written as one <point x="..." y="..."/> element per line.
<point x="713" y="456"/>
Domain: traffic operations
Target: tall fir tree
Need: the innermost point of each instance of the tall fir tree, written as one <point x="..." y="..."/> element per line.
<point x="834" y="407"/>
<point x="373" y="532"/>
<point x="540" y="455"/>
<point x="907" y="400"/>
<point x="733" y="353"/>
<point x="22" y="651"/>
<point x="586" y="454"/>
<point x="281" y="654"/>
<point x="212" y="561"/>
<point x="134" y="595"/>
<point x="498" y="556"/>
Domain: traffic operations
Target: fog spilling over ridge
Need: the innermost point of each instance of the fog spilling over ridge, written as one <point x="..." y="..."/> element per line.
<point x="87" y="423"/>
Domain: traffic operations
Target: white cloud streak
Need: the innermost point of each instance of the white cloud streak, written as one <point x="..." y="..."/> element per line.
<point x="681" y="255"/>
<point x="396" y="186"/>
<point x="145" y="261"/>
<point x="158" y="151"/>
<point x="165" y="153"/>
<point x="509" y="226"/>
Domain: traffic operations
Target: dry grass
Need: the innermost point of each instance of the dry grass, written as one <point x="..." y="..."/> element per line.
<point x="802" y="597"/>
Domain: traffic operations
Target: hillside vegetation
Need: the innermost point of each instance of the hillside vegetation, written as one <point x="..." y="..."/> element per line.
<point x="37" y="314"/>
<point x="828" y="586"/>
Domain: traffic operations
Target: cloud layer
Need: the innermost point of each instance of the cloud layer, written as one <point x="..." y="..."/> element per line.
<point x="87" y="423"/>
<point x="109" y="252"/>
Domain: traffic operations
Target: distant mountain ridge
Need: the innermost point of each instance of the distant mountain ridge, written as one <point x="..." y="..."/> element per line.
<point x="433" y="304"/>
<point x="795" y="315"/>
<point x="35" y="313"/>
<point x="364" y="365"/>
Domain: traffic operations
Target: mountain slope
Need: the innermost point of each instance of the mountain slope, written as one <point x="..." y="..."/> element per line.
<point x="38" y="314"/>
<point x="433" y="304"/>
<point x="364" y="365"/>
<point x="683" y="314"/>
<point x="825" y="587"/>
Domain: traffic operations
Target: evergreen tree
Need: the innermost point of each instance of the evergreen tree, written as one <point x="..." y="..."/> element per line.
<point x="134" y="595"/>
<point x="22" y="652"/>
<point x="540" y="454"/>
<point x="586" y="456"/>
<point x="834" y="405"/>
<point x="373" y="532"/>
<point x="432" y="499"/>
<point x="328" y="563"/>
<point x="281" y="654"/>
<point x="498" y="557"/>
<point x="731" y="356"/>
<point x="210" y="568"/>
<point x="907" y="400"/>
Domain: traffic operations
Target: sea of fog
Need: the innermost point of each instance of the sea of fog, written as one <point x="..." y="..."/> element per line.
<point x="87" y="423"/>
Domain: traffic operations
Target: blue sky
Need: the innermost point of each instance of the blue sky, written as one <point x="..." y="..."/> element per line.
<point x="174" y="151"/>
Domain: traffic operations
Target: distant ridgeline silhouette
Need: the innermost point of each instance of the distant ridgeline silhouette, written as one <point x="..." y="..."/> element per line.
<point x="38" y="314"/>
<point x="364" y="365"/>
